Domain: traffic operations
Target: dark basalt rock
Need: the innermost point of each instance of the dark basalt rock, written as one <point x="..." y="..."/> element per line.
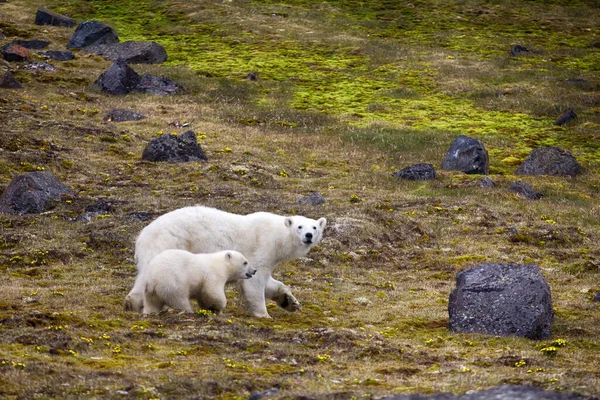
<point x="314" y="198"/>
<point x="524" y="190"/>
<point x="131" y="52"/>
<point x="57" y="55"/>
<point x="416" y="172"/>
<point x="487" y="183"/>
<point x="47" y="17"/>
<point x="568" y="115"/>
<point x="158" y="85"/>
<point x="501" y="300"/>
<point x="141" y="216"/>
<point x="122" y="115"/>
<point x="14" y="52"/>
<point x="518" y="49"/>
<point x="32" y="192"/>
<point x="549" y="161"/>
<point x="467" y="155"/>
<point x="118" y="79"/>
<point x="89" y="33"/>
<point x="597" y="297"/>
<point x="504" y="392"/>
<point x="8" y="81"/>
<point x="171" y="148"/>
<point x="32" y="44"/>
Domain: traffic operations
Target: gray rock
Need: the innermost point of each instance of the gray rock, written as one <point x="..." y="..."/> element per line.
<point x="57" y="55"/>
<point x="502" y="300"/>
<point x="92" y="32"/>
<point x="171" y="148"/>
<point x="118" y="79"/>
<point x="34" y="44"/>
<point x="597" y="297"/>
<point x="416" y="172"/>
<point x="314" y="198"/>
<point x="47" y="17"/>
<point x="131" y="51"/>
<point x="524" y="190"/>
<point x="518" y="49"/>
<point x="8" y="81"/>
<point x="158" y="85"/>
<point x="504" y="392"/>
<point x="32" y="192"/>
<point x="140" y="215"/>
<point x="487" y="183"/>
<point x="467" y="155"/>
<point x="122" y="115"/>
<point x="549" y="161"/>
<point x="567" y="116"/>
<point x="38" y="66"/>
<point x="264" y="393"/>
<point x="14" y="52"/>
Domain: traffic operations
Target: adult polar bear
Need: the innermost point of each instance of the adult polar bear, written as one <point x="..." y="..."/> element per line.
<point x="265" y="239"/>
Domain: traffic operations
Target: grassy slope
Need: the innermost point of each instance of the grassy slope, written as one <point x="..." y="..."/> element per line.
<point x="346" y="95"/>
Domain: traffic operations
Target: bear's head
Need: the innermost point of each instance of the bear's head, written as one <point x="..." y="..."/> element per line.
<point x="239" y="265"/>
<point x="308" y="231"/>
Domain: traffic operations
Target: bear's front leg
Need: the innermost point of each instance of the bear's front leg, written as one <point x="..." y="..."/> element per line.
<point x="252" y="294"/>
<point x="281" y="295"/>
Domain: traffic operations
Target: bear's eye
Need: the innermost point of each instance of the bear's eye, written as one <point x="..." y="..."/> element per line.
<point x="300" y="227"/>
<point x="315" y="228"/>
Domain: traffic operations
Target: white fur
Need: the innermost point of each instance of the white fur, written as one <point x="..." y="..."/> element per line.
<point x="175" y="276"/>
<point x="266" y="239"/>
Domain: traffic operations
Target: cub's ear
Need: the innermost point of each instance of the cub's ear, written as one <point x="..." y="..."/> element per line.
<point x="228" y="255"/>
<point x="288" y="221"/>
<point x="322" y="222"/>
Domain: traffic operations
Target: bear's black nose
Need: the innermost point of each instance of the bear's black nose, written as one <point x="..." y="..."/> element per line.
<point x="309" y="235"/>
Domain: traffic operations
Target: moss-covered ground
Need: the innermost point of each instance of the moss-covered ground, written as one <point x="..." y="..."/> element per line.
<point x="347" y="93"/>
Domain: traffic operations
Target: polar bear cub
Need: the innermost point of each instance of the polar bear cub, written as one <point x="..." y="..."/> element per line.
<point x="174" y="277"/>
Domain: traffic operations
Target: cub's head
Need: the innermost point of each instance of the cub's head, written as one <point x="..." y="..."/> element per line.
<point x="239" y="266"/>
<point x="307" y="231"/>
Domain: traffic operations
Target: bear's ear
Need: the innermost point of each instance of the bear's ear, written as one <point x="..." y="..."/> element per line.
<point x="288" y="221"/>
<point x="322" y="222"/>
<point x="228" y="255"/>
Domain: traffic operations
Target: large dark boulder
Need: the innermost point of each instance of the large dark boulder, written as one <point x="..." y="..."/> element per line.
<point x="15" y="52"/>
<point x="47" y="17"/>
<point x="118" y="79"/>
<point x="171" y="148"/>
<point x="122" y="115"/>
<point x="8" y="81"/>
<point x="549" y="161"/>
<point x="32" y="192"/>
<point x="92" y="32"/>
<point x="57" y="55"/>
<point x="132" y="52"/>
<point x="502" y="300"/>
<point x="158" y="85"/>
<point x="524" y="190"/>
<point x="416" y="172"/>
<point x="467" y="155"/>
<point x="504" y="392"/>
<point x="34" y="44"/>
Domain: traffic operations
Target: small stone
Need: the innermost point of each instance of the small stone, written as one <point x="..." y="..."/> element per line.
<point x="416" y="172"/>
<point x="568" y="115"/>
<point x="518" y="49"/>
<point x="38" y="66"/>
<point x="122" y="115"/>
<point x="314" y="198"/>
<point x="58" y="55"/>
<point x="597" y="297"/>
<point x="524" y="190"/>
<point x="158" y="85"/>
<point x="487" y="183"/>
<point x="8" y="81"/>
<point x="172" y="148"/>
<point x="32" y="44"/>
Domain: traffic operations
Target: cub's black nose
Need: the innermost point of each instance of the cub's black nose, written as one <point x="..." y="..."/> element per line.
<point x="309" y="235"/>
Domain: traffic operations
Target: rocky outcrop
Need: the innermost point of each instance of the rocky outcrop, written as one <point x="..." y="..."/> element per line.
<point x="118" y="79"/>
<point x="131" y="52"/>
<point x="158" y="85"/>
<point x="32" y="192"/>
<point x="89" y="33"/>
<point x="549" y="161"/>
<point x="122" y="115"/>
<point x="467" y="155"/>
<point x="416" y="172"/>
<point x="171" y="148"/>
<point x="47" y="17"/>
<point x="502" y="300"/>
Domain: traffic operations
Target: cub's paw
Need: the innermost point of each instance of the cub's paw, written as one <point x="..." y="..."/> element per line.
<point x="289" y="303"/>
